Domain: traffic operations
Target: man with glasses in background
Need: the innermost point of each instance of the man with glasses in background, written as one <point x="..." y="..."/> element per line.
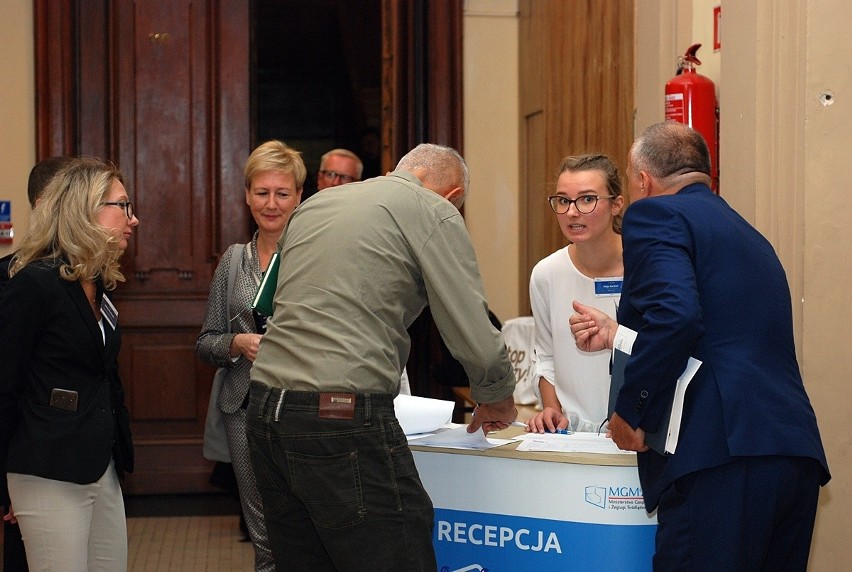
<point x="338" y="167"/>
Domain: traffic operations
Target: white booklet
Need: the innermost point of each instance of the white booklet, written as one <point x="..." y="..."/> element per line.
<point x="665" y="440"/>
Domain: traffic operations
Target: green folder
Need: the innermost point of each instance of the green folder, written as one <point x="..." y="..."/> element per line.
<point x="263" y="300"/>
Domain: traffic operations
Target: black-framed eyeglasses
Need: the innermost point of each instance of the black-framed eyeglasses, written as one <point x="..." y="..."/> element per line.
<point x="126" y="205"/>
<point x="331" y="175"/>
<point x="584" y="205"/>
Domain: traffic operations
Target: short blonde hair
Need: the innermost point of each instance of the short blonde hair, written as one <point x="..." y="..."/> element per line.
<point x="64" y="226"/>
<point x="275" y="156"/>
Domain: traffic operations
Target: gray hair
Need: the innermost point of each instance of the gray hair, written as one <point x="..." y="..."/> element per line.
<point x="359" y="165"/>
<point x="443" y="167"/>
<point x="670" y="148"/>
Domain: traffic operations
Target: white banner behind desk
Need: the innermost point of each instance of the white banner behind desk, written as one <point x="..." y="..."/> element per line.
<point x="503" y="510"/>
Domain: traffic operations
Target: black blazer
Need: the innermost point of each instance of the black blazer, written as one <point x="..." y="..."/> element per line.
<point x="5" y="262"/>
<point x="49" y="339"/>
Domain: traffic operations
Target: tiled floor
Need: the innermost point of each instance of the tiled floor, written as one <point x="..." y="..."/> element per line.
<point x="184" y="533"/>
<point x="193" y="533"/>
<point x="187" y="543"/>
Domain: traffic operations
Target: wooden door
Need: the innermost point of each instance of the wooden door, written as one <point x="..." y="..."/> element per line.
<point x="162" y="89"/>
<point x="576" y="62"/>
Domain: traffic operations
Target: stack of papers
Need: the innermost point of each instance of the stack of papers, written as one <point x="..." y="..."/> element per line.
<point x="571" y="443"/>
<point x="456" y="436"/>
<point x="665" y="440"/>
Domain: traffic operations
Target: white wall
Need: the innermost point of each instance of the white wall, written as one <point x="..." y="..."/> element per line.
<point x="823" y="240"/>
<point x="491" y="140"/>
<point x="785" y="166"/>
<point x="17" y="110"/>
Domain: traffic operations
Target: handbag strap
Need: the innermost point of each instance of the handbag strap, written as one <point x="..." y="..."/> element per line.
<point x="237" y="253"/>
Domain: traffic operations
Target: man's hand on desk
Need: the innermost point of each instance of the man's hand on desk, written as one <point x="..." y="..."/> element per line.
<point x="493" y="416"/>
<point x="626" y="437"/>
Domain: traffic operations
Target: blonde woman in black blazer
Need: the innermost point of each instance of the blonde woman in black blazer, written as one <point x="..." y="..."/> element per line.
<point x="64" y="429"/>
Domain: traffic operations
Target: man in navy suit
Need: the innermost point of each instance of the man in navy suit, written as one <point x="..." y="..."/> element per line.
<point x="741" y="490"/>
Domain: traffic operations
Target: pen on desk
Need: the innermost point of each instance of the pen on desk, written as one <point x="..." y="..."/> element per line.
<point x="558" y="431"/>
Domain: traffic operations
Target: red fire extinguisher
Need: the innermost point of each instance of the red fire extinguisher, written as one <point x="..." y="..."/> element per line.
<point x="691" y="99"/>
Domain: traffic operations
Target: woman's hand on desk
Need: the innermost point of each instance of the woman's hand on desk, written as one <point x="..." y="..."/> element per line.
<point x="548" y="420"/>
<point x="493" y="416"/>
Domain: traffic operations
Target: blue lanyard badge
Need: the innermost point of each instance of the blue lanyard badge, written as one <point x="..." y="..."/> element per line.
<point x="608" y="286"/>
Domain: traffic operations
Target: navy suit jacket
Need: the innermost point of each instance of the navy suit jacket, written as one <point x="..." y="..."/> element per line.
<point x="49" y="339"/>
<point x="700" y="281"/>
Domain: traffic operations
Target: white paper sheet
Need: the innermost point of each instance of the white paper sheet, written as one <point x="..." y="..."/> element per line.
<point x="673" y="434"/>
<point x="663" y="443"/>
<point x="421" y="414"/>
<point x="571" y="443"/>
<point x="457" y="437"/>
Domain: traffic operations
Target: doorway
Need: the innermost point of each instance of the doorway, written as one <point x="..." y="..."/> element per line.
<point x="316" y="79"/>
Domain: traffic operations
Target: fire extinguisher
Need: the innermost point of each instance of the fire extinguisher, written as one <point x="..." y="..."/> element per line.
<point x="691" y="99"/>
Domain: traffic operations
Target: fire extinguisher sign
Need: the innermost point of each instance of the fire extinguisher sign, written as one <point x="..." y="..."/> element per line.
<point x="675" y="107"/>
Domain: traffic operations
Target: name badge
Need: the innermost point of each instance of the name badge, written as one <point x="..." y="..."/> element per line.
<point x="608" y="286"/>
<point x="109" y="312"/>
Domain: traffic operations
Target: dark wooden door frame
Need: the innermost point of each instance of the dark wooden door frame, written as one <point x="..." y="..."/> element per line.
<point x="422" y="76"/>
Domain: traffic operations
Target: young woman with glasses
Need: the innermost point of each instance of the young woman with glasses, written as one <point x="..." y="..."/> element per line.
<point x="574" y="385"/>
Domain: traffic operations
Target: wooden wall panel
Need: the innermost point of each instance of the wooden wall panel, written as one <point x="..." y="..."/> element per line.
<point x="534" y="228"/>
<point x="579" y="55"/>
<point x="55" y="53"/>
<point x="163" y="399"/>
<point x="421" y="76"/>
<point x="444" y="88"/>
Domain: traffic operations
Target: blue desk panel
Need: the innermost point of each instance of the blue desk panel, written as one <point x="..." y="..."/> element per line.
<point x="515" y="514"/>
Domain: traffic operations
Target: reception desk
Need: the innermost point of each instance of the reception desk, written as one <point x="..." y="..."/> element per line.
<point x="506" y="510"/>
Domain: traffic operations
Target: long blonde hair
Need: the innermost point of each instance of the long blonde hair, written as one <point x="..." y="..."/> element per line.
<point x="64" y="226"/>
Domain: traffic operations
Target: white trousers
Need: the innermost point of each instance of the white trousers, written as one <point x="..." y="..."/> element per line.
<point x="71" y="527"/>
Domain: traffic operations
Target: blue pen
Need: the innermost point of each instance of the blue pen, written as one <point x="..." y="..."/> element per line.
<point x="558" y="431"/>
<point x="561" y="432"/>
